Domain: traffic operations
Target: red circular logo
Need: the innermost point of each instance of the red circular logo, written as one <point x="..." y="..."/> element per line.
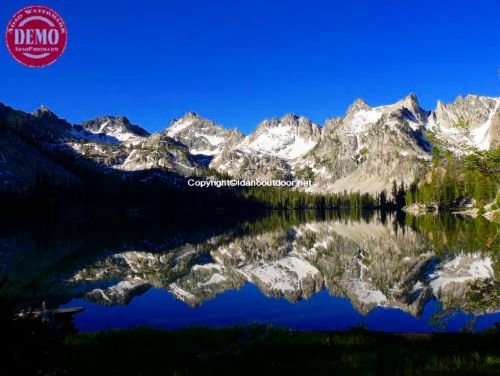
<point x="36" y="36"/>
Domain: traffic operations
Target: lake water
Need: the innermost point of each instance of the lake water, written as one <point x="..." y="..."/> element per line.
<point x="302" y="270"/>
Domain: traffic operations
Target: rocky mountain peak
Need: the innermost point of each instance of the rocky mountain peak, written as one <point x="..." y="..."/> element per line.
<point x="191" y="115"/>
<point x="122" y="120"/>
<point x="50" y="121"/>
<point x="299" y="125"/>
<point x="188" y="119"/>
<point x="411" y="102"/>
<point x="287" y="120"/>
<point x="409" y="108"/>
<point x="358" y="105"/>
<point x="474" y="109"/>
<point x="290" y="118"/>
<point x="191" y="121"/>
<point x="481" y="115"/>
<point x="287" y="138"/>
<point x="44" y="112"/>
<point x="202" y="136"/>
<point x="118" y="127"/>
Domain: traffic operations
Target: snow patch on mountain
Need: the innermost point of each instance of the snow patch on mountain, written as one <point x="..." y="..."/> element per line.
<point x="280" y="142"/>
<point x="363" y="118"/>
<point x="110" y="129"/>
<point x="178" y="126"/>
<point x="202" y="136"/>
<point x="214" y="141"/>
<point x="475" y="116"/>
<point x="287" y="138"/>
<point x="481" y="136"/>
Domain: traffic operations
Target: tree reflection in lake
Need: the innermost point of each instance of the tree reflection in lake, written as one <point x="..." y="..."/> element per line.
<point x="372" y="260"/>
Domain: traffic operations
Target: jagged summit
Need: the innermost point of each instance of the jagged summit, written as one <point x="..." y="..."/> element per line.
<point x="290" y="117"/>
<point x="410" y="109"/>
<point x="118" y="127"/>
<point x="360" y="114"/>
<point x="118" y="119"/>
<point x="479" y="114"/>
<point x="411" y="100"/>
<point x="187" y="116"/>
<point x="44" y="108"/>
<point x="189" y="119"/>
<point x="202" y="136"/>
<point x="287" y="138"/>
<point x="44" y="111"/>
<point x="358" y="105"/>
<point x="192" y="114"/>
<point x="51" y="123"/>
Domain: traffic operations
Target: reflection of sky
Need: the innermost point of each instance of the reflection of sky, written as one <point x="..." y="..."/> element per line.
<point x="159" y="308"/>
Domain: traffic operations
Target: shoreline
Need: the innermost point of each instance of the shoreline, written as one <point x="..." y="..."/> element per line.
<point x="417" y="210"/>
<point x="268" y="350"/>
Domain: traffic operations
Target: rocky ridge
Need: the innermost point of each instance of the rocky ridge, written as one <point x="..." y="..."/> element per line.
<point x="365" y="150"/>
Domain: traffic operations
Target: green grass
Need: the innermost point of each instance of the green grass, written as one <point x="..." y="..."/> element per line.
<point x="259" y="350"/>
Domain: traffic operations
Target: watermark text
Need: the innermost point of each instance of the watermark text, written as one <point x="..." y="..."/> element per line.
<point x="212" y="183"/>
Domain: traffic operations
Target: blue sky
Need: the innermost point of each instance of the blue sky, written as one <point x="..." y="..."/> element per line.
<point x="239" y="62"/>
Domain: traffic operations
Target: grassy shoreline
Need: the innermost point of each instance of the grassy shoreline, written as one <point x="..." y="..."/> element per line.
<point x="265" y="350"/>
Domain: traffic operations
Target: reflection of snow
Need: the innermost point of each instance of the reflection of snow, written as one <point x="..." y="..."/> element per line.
<point x="461" y="269"/>
<point x="366" y="294"/>
<point x="286" y="274"/>
<point x="181" y="293"/>
<point x="214" y="279"/>
<point x="368" y="263"/>
<point x="119" y="291"/>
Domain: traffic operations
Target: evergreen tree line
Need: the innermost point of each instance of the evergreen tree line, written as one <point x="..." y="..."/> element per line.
<point x="283" y="198"/>
<point x="455" y="180"/>
<point x="103" y="195"/>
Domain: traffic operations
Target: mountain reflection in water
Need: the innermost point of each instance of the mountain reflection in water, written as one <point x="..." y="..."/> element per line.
<point x="312" y="272"/>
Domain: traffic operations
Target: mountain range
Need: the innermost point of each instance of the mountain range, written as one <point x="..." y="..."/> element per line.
<point x="365" y="150"/>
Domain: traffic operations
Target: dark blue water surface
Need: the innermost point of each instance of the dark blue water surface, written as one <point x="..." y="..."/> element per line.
<point x="159" y="308"/>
